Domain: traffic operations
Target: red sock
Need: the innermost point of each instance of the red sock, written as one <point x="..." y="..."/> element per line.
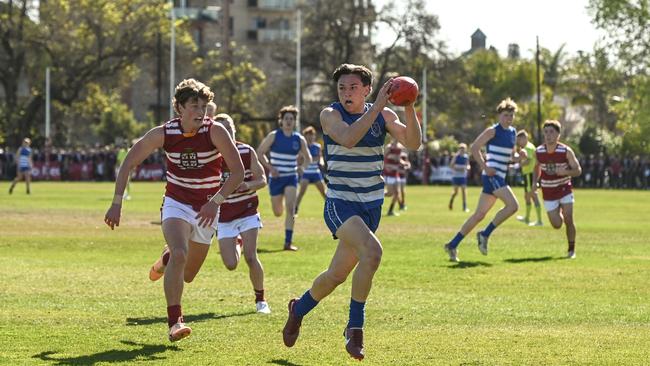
<point x="173" y="313"/>
<point x="259" y="295"/>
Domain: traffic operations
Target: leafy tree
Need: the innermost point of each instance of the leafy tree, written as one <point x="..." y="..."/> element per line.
<point x="84" y="43"/>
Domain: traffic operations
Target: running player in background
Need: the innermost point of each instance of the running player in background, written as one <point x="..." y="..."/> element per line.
<point x="284" y="146"/>
<point x="527" y="168"/>
<point x="354" y="133"/>
<point x="238" y="216"/>
<point x="459" y="163"/>
<point x="312" y="174"/>
<point x="392" y="156"/>
<point x="24" y="167"/>
<point x="499" y="140"/>
<point x="192" y="145"/>
<point x="556" y="165"/>
<point x="402" y="174"/>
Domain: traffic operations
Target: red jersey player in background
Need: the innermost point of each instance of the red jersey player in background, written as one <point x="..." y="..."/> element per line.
<point x="192" y="145"/>
<point x="392" y="157"/>
<point x="556" y="164"/>
<point x="238" y="216"/>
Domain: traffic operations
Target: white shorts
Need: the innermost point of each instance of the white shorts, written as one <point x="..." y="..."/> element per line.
<point x="174" y="209"/>
<point x="401" y="181"/>
<point x="552" y="205"/>
<point x="235" y="227"/>
<point x="391" y="180"/>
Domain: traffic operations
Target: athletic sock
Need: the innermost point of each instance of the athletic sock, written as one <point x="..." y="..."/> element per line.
<point x="538" y="209"/>
<point x="288" y="236"/>
<point x="357" y="314"/>
<point x="304" y="304"/>
<point x="488" y="229"/>
<point x="259" y="295"/>
<point x="173" y="313"/>
<point x="528" y="207"/>
<point x="572" y="246"/>
<point x="456" y="240"/>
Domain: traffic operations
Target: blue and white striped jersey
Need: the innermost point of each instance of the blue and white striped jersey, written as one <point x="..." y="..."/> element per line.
<point x="284" y="153"/>
<point x="355" y="173"/>
<point x="314" y="150"/>
<point x="499" y="149"/>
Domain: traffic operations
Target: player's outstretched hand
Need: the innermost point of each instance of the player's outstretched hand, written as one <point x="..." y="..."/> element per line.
<point x="207" y="214"/>
<point x="384" y="93"/>
<point x="112" y="217"/>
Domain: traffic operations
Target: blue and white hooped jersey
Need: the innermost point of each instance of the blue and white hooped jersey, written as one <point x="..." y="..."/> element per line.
<point x="314" y="150"/>
<point x="284" y="153"/>
<point x="23" y="158"/>
<point x="461" y="160"/>
<point x="355" y="173"/>
<point x="499" y="149"/>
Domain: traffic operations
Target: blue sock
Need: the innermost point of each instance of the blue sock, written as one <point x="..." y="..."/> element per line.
<point x="288" y="234"/>
<point x="456" y="240"/>
<point x="488" y="230"/>
<point x="305" y="304"/>
<point x="357" y="314"/>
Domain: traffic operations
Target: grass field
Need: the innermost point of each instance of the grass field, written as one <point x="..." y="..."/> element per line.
<point x="74" y="292"/>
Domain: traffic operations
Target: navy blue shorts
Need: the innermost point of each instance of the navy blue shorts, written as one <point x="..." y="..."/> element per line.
<point x="336" y="212"/>
<point x="459" y="181"/>
<point x="491" y="184"/>
<point x="24" y="169"/>
<point x="277" y="185"/>
<point x="312" y="177"/>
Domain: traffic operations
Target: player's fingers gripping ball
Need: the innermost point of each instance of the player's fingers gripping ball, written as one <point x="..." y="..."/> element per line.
<point x="403" y="91"/>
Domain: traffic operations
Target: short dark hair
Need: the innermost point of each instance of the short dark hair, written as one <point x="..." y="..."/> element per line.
<point x="553" y="123"/>
<point x="345" y="69"/>
<point x="287" y="109"/>
<point x="508" y="105"/>
<point x="190" y="89"/>
<point x="309" y="130"/>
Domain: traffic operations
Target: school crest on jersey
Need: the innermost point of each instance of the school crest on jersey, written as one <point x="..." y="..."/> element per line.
<point x="550" y="168"/>
<point x="375" y="129"/>
<point x="296" y="145"/>
<point x="189" y="159"/>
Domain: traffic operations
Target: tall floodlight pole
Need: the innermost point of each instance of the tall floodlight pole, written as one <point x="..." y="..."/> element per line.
<point x="172" y="61"/>
<point x="47" y="103"/>
<point x="424" y="105"/>
<point x="298" y="66"/>
<point x="539" y="97"/>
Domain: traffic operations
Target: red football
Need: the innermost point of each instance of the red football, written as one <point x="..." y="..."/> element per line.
<point x="403" y="91"/>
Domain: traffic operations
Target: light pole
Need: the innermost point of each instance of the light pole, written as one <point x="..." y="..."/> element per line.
<point x="298" y="66"/>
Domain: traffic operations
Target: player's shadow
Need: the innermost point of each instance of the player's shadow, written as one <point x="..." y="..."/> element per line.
<point x="262" y="250"/>
<point x="143" y="352"/>
<point x="468" y="264"/>
<point x="283" y="363"/>
<point x="191" y="318"/>
<point x="532" y="259"/>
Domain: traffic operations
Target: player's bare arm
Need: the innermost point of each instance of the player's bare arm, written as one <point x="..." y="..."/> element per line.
<point x="349" y="135"/>
<point x="409" y="134"/>
<point x="574" y="169"/>
<point x="259" y="178"/>
<point x="224" y="143"/>
<point x="263" y="149"/>
<point x="304" y="155"/>
<point x="476" y="147"/>
<point x="152" y="141"/>
<point x="536" y="174"/>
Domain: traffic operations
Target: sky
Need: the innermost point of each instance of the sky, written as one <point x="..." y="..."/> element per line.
<point x="512" y="21"/>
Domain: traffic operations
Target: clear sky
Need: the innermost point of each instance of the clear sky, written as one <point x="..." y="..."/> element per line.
<point x="512" y="21"/>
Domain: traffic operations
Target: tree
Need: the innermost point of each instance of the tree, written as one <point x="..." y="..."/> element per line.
<point x="626" y="23"/>
<point x="84" y="42"/>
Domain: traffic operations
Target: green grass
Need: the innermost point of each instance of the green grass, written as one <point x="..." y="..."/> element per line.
<point x="74" y="292"/>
